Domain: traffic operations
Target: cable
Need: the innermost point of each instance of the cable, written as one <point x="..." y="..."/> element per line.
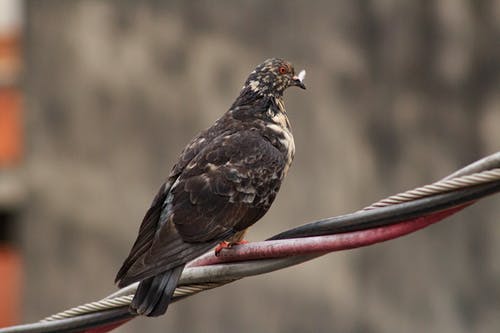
<point x="433" y="201"/>
<point x="366" y="219"/>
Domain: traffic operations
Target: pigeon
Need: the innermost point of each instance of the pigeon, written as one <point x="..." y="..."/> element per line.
<point x="225" y="180"/>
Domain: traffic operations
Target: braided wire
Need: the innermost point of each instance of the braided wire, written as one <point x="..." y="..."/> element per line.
<point x="441" y="186"/>
<point x="103" y="304"/>
<point x="445" y="185"/>
<point x="119" y="301"/>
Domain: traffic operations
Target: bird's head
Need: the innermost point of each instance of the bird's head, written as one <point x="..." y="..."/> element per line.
<point x="272" y="77"/>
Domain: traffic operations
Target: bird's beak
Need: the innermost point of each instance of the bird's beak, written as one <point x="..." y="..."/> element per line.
<point x="298" y="80"/>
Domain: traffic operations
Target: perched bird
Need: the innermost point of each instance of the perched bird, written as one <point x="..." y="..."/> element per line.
<point x="226" y="179"/>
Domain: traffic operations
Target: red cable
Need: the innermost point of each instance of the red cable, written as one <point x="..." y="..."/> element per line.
<point x="309" y="245"/>
<point x="322" y="244"/>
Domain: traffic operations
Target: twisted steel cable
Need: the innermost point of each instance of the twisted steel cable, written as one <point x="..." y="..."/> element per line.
<point x="441" y="186"/>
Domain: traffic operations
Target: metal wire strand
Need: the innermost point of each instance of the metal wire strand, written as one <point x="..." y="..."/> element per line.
<point x="442" y="186"/>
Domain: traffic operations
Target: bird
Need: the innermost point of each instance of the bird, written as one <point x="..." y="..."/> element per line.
<point x="224" y="181"/>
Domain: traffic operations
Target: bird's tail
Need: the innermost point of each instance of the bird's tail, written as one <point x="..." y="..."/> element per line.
<point x="153" y="294"/>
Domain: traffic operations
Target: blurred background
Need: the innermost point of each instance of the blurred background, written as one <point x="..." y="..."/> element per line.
<point x="97" y="99"/>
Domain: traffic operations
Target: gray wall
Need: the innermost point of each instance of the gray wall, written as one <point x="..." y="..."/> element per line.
<point x="400" y="93"/>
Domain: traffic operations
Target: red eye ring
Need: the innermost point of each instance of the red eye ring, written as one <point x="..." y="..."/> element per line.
<point x="283" y="70"/>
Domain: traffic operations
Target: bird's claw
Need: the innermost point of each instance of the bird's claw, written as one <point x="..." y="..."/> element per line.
<point x="222" y="245"/>
<point x="227" y="245"/>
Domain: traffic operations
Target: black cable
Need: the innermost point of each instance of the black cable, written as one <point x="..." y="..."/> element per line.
<point x="390" y="214"/>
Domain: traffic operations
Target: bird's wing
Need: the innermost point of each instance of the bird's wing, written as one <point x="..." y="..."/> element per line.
<point x="227" y="187"/>
<point x="146" y="231"/>
<point x="157" y="213"/>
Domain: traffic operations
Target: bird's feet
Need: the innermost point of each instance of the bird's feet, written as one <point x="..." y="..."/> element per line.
<point x="227" y="245"/>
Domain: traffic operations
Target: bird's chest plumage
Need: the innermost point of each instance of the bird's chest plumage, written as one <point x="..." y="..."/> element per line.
<point x="279" y="129"/>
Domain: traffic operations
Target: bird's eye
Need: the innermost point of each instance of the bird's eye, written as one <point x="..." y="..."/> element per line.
<point x="283" y="70"/>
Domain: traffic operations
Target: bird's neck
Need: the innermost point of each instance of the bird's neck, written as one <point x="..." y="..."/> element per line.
<point x="251" y="96"/>
<point x="256" y="108"/>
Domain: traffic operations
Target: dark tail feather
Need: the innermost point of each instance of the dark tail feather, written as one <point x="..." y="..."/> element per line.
<point x="153" y="294"/>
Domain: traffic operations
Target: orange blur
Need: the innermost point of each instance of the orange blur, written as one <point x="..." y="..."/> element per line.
<point x="10" y="126"/>
<point x="10" y="285"/>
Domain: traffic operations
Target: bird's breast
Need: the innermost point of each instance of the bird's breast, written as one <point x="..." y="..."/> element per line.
<point x="285" y="142"/>
<point x="279" y="125"/>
